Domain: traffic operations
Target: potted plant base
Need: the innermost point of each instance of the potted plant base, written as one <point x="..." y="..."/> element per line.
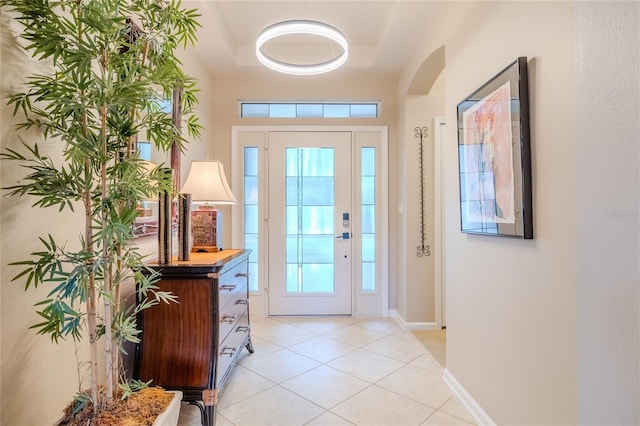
<point x="170" y="416"/>
<point x="151" y="406"/>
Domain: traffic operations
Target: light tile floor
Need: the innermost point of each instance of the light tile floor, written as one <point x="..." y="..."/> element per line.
<point x="336" y="371"/>
<point x="436" y="343"/>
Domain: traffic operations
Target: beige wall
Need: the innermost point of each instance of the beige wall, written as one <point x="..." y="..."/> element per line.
<point x="608" y="211"/>
<point x="202" y="148"/>
<point x="39" y="378"/>
<point x="521" y="315"/>
<point x="511" y="304"/>
<point x="26" y="359"/>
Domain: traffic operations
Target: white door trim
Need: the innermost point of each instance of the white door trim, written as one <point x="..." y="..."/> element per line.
<point x="439" y="218"/>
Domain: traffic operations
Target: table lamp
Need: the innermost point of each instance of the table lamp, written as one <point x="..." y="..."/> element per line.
<point x="207" y="184"/>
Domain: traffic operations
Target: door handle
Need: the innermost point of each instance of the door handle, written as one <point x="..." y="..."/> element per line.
<point x="344" y="236"/>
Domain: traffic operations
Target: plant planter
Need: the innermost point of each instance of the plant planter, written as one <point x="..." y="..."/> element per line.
<point x="169" y="417"/>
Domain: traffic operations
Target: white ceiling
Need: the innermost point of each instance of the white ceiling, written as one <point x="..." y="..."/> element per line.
<point x="381" y="33"/>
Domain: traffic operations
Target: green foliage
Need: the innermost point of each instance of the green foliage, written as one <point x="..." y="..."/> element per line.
<point x="80" y="400"/>
<point x="109" y="61"/>
<point x="131" y="387"/>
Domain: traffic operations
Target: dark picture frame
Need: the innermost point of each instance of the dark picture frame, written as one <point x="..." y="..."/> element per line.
<point x="494" y="156"/>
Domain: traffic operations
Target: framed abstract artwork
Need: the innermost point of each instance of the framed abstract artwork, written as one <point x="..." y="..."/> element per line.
<point x="494" y="156"/>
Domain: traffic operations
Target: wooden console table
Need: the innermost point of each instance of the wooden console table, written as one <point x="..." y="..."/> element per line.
<point x="192" y="345"/>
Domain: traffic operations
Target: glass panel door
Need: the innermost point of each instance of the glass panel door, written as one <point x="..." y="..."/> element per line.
<point x="310" y="223"/>
<point x="309" y="217"/>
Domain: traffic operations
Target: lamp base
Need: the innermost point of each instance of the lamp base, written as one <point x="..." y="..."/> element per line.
<point x="206" y="227"/>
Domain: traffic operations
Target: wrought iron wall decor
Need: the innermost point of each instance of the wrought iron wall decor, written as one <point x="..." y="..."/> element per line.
<point x="423" y="248"/>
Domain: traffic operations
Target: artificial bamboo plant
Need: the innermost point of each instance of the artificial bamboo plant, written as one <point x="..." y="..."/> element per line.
<point x="107" y="63"/>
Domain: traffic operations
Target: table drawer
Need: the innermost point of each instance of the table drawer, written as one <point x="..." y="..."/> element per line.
<point x="231" y="314"/>
<point x="231" y="347"/>
<point x="232" y="284"/>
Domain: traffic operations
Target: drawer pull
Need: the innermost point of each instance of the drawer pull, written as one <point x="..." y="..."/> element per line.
<point x="242" y="329"/>
<point x="242" y="302"/>
<point x="228" y="319"/>
<point x="228" y="287"/>
<point x="228" y="351"/>
<point x="242" y="275"/>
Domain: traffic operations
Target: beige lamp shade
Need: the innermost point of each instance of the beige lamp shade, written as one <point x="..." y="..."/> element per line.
<point x="207" y="182"/>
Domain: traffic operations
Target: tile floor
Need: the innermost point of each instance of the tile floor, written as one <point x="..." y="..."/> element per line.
<point x="436" y="343"/>
<point x="337" y="371"/>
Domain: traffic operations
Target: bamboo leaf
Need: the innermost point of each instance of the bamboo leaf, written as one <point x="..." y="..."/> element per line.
<point x="87" y="104"/>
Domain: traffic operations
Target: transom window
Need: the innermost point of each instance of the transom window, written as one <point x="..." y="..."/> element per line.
<point x="309" y="110"/>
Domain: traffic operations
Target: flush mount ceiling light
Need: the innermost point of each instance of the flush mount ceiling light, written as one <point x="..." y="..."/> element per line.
<point x="298" y="27"/>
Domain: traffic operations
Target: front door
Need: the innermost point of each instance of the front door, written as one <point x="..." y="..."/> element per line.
<point x="309" y="206"/>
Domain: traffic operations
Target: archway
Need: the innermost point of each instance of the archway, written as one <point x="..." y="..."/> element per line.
<point x="420" y="301"/>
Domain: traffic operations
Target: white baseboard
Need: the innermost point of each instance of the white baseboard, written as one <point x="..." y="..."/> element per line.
<point x="480" y="416"/>
<point x="414" y="326"/>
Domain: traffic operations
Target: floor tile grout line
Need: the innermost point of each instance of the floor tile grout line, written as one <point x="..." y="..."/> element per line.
<point x="322" y="414"/>
<point x="350" y="352"/>
<point x="320" y="332"/>
<point x="389" y="357"/>
<point x="328" y="361"/>
<point x="279" y="385"/>
<point x="326" y="410"/>
<point x="348" y="324"/>
<point x="384" y="389"/>
<point x="273" y="384"/>
<point x="326" y="364"/>
<point x="218" y="411"/>
<point x="445" y="412"/>
<point x="327" y="336"/>
<point x="293" y="352"/>
<point x="404" y="363"/>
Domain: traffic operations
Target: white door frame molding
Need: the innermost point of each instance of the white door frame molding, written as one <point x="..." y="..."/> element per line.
<point x="439" y="218"/>
<point x="364" y="303"/>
